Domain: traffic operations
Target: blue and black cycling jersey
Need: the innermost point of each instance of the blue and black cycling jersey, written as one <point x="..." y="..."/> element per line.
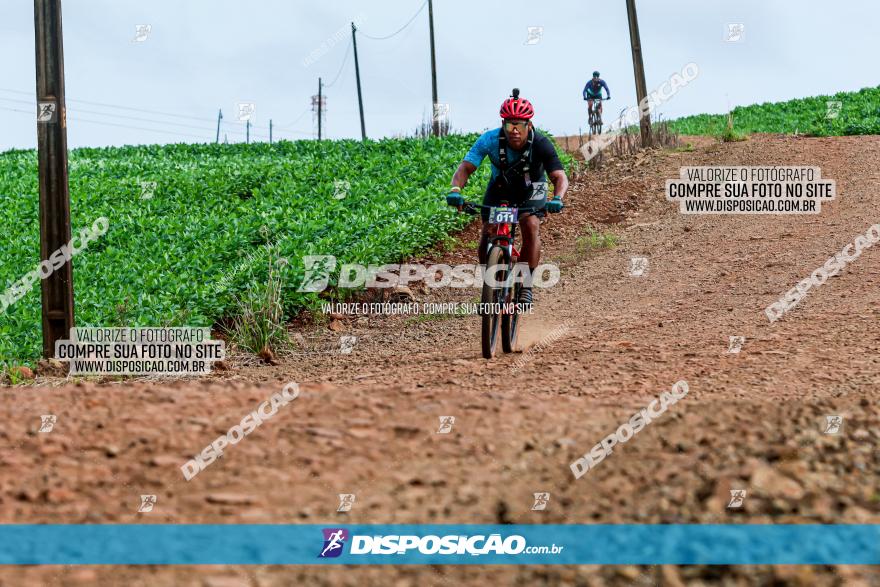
<point x="593" y="89"/>
<point x="543" y="155"/>
<point x="520" y="181"/>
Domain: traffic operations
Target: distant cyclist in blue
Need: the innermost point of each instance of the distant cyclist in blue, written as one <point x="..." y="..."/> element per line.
<point x="593" y="91"/>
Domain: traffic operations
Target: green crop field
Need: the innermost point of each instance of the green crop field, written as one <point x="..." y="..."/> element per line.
<point x="859" y="114"/>
<point x="179" y="256"/>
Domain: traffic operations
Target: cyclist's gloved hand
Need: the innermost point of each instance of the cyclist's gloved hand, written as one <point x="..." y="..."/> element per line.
<point x="454" y="199"/>
<point x="554" y="206"/>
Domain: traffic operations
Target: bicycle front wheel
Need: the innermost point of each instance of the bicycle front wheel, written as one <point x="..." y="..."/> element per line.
<point x="510" y="323"/>
<point x="491" y="299"/>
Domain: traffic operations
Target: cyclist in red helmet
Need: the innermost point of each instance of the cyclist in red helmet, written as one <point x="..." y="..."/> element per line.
<point x="521" y="158"/>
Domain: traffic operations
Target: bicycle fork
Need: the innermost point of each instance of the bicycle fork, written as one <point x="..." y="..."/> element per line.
<point x="510" y="273"/>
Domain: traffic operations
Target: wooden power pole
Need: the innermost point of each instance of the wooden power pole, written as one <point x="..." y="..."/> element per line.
<point x="321" y="106"/>
<point x="57" y="289"/>
<point x="357" y="73"/>
<point x="639" y="69"/>
<point x="436" y="125"/>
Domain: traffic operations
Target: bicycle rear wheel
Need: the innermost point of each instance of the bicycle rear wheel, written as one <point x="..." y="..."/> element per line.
<point x="490" y="299"/>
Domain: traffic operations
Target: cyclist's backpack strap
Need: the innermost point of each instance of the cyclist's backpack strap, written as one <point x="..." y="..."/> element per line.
<point x="526" y="159"/>
<point x="502" y="150"/>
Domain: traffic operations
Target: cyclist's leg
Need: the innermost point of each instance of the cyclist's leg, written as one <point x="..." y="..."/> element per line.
<point x="530" y="227"/>
<point x="530" y="213"/>
<point x="492" y="197"/>
<point x="590" y="105"/>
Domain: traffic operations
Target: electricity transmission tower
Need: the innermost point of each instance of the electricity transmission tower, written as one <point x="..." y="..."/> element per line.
<point x="319" y="113"/>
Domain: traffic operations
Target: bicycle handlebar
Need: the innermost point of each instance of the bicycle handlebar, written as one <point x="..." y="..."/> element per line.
<point x="472" y="207"/>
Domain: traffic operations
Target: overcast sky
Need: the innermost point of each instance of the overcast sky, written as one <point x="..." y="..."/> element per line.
<point x="203" y="55"/>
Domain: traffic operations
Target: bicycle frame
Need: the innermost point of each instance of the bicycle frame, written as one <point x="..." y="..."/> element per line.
<point x="503" y="235"/>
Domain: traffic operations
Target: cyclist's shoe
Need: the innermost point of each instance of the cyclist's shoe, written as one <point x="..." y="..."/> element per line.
<point x="525" y="297"/>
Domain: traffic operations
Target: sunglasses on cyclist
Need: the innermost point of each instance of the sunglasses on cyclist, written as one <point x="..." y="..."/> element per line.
<point x="522" y="125"/>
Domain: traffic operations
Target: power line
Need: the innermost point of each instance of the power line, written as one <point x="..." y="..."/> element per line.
<point x="78" y="119"/>
<point x="297" y="119"/>
<point x="400" y="30"/>
<point x="123" y="116"/>
<point x="157" y="130"/>
<point x="16" y="110"/>
<point x="150" y="120"/>
<point x="341" y="67"/>
<point x="296" y="132"/>
<point x="118" y="107"/>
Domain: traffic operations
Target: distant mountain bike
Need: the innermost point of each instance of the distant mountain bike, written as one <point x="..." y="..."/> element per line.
<point x="596" y="117"/>
<point x="499" y="308"/>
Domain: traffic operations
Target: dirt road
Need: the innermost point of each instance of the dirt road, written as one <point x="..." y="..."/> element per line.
<point x="607" y="343"/>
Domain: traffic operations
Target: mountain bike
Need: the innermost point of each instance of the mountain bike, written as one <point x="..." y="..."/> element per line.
<point x="499" y="309"/>
<point x="596" y="117"/>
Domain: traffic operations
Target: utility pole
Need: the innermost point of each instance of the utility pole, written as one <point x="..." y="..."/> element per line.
<point x="639" y="69"/>
<point x="247" y="127"/>
<point x="219" y="118"/>
<point x="57" y="289"/>
<point x="319" y="107"/>
<point x="357" y="73"/>
<point x="436" y="125"/>
<point x="270" y="131"/>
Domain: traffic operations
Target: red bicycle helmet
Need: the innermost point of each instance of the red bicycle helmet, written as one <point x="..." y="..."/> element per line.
<point x="516" y="107"/>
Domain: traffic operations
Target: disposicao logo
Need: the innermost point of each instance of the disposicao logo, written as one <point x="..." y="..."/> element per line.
<point x="334" y="542"/>
<point x="445" y="545"/>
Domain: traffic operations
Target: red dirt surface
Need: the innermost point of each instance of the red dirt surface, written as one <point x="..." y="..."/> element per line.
<point x="366" y="422"/>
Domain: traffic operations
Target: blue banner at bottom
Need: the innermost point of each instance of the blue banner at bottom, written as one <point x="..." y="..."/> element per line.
<point x="446" y="544"/>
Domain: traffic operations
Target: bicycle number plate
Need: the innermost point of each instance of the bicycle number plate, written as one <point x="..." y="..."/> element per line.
<point x="503" y="215"/>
